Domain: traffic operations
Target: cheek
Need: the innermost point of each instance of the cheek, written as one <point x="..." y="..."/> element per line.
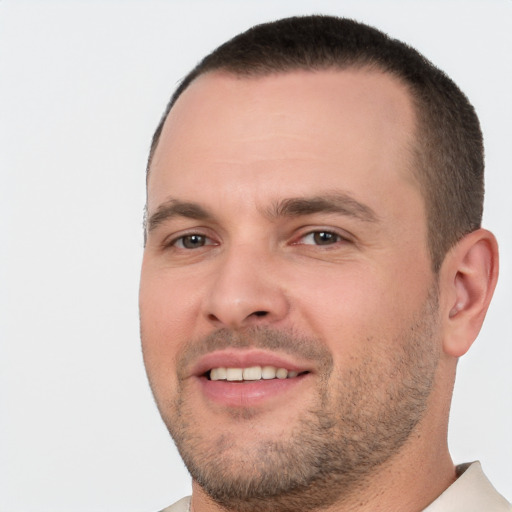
<point x="166" y="321"/>
<point x="351" y="307"/>
<point x="168" y="302"/>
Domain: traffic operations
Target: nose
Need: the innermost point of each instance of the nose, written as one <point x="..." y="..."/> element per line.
<point x="245" y="291"/>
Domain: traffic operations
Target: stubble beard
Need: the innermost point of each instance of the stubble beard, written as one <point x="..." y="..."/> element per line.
<point x="357" y="423"/>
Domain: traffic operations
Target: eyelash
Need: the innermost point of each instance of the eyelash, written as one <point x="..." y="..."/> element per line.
<point x="179" y="242"/>
<point x="333" y="238"/>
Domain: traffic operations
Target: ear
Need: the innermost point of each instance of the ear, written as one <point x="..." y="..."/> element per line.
<point x="468" y="277"/>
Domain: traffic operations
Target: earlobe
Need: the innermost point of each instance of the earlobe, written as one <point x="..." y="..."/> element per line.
<point x="469" y="275"/>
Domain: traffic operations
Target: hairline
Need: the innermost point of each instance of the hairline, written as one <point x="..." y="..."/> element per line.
<point x="260" y="72"/>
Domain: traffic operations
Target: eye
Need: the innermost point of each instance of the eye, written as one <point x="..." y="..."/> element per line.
<point x="192" y="241"/>
<point x="320" y="238"/>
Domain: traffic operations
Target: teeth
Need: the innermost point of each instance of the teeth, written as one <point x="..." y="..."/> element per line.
<point x="218" y="374"/>
<point x="234" y="374"/>
<point x="251" y="373"/>
<point x="282" y="373"/>
<point x="268" y="372"/>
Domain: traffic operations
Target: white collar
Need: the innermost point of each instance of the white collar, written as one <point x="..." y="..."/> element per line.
<point x="471" y="492"/>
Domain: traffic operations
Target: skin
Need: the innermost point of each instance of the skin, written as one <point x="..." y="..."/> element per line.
<point x="237" y="147"/>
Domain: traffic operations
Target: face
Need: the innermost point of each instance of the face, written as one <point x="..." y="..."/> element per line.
<point x="288" y="309"/>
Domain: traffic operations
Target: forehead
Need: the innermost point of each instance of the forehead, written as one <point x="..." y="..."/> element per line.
<point x="348" y="128"/>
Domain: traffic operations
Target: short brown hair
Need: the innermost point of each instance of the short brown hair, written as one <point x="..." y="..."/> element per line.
<point x="449" y="162"/>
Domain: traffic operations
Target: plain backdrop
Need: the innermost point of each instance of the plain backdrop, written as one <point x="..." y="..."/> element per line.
<point x="82" y="87"/>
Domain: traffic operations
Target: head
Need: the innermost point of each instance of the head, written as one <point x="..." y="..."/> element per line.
<point x="303" y="227"/>
<point x="448" y="146"/>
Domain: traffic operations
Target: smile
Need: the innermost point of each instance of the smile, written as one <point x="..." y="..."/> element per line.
<point x="251" y="373"/>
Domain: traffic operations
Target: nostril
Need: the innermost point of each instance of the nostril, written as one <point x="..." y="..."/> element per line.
<point x="260" y="313"/>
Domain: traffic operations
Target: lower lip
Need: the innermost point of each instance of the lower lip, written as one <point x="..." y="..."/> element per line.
<point x="248" y="393"/>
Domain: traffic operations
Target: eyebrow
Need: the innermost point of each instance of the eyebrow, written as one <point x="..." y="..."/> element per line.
<point x="339" y="203"/>
<point x="176" y="208"/>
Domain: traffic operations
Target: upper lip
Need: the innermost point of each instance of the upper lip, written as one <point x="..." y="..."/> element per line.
<point x="243" y="358"/>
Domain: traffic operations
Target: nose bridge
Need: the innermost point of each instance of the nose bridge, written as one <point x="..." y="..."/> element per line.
<point x="246" y="289"/>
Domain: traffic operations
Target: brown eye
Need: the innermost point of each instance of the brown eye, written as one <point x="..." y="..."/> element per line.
<point x="325" y="238"/>
<point x="191" y="242"/>
<point x="320" y="238"/>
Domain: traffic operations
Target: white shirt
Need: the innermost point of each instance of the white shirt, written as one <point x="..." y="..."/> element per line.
<point x="471" y="492"/>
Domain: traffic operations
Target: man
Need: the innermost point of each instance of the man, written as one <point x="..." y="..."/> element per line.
<point x="314" y="268"/>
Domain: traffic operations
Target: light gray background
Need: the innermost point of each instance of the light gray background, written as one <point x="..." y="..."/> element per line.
<point x="82" y="86"/>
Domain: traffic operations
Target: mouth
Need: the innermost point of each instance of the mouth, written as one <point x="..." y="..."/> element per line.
<point x="241" y="378"/>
